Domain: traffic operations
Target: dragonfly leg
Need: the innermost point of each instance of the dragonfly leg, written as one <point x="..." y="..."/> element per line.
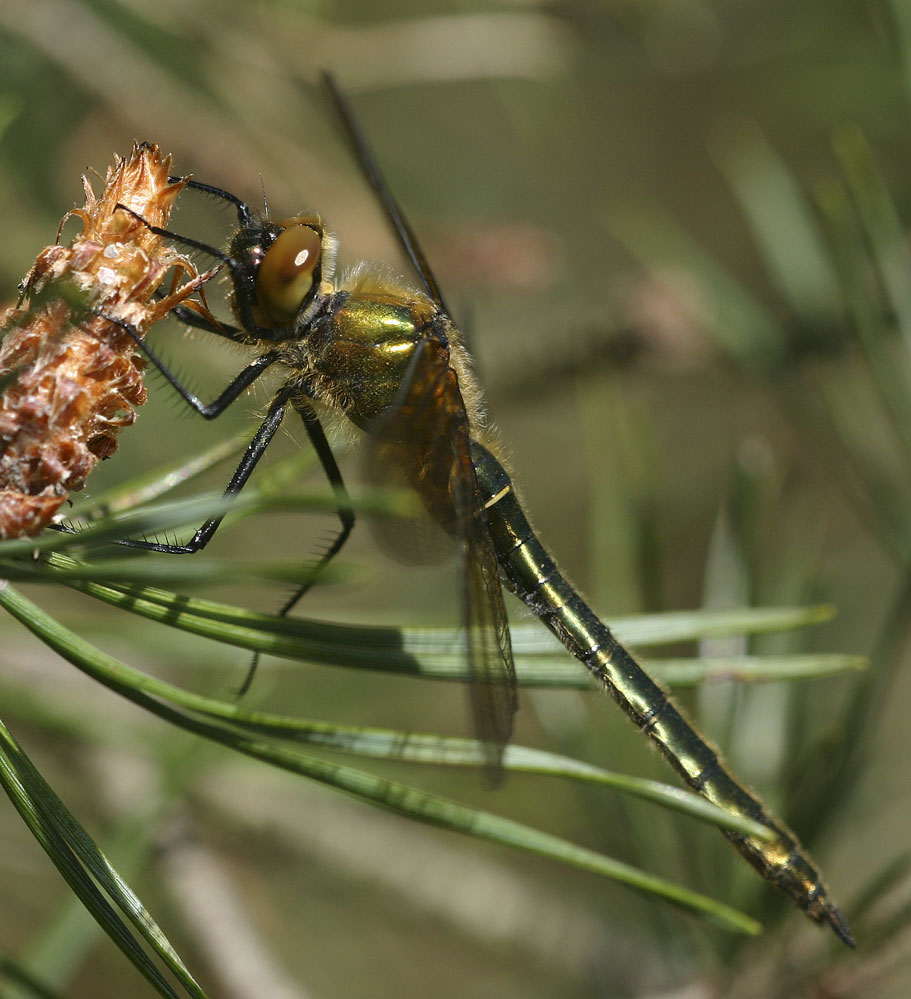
<point x="255" y="450"/>
<point x="190" y="317"/>
<point x="343" y="509"/>
<point x="244" y="215"/>
<point x="241" y="278"/>
<point x="234" y="389"/>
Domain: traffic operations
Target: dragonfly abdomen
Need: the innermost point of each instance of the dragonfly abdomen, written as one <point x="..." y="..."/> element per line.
<point x="531" y="574"/>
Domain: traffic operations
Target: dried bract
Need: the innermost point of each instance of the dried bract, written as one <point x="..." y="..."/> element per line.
<point x="70" y="378"/>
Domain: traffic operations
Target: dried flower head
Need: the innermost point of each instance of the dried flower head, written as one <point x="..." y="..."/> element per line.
<point x="70" y="378"/>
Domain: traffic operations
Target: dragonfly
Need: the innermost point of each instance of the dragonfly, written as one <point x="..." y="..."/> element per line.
<point x="389" y="357"/>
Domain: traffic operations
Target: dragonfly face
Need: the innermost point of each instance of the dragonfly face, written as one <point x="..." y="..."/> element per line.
<point x="279" y="274"/>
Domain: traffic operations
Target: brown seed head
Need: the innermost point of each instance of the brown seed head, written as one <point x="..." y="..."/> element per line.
<point x="70" y="378"/>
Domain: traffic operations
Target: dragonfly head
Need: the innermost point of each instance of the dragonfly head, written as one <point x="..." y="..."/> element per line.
<point x="289" y="265"/>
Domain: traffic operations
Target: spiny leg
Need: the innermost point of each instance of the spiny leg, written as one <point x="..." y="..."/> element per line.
<point x="343" y="509"/>
<point x="245" y="294"/>
<point x="255" y="450"/>
<point x="190" y="317"/>
<point x="244" y="215"/>
<point x="343" y="506"/>
<point x="234" y="389"/>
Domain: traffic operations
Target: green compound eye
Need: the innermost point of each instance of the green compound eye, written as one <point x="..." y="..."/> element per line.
<point x="286" y="274"/>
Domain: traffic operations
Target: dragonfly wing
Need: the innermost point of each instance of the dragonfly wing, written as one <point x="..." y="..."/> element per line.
<point x="411" y="449"/>
<point x="493" y="686"/>
<point x="424" y="442"/>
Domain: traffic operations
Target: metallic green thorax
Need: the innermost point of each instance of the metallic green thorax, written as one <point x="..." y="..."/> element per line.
<point x="528" y="571"/>
<point x="362" y="345"/>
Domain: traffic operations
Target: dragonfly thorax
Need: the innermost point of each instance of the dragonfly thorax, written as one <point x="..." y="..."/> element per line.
<point x="357" y="349"/>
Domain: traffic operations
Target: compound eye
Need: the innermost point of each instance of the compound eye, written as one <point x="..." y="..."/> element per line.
<point x="286" y="274"/>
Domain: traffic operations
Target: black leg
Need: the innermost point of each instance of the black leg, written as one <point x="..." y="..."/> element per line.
<point x="343" y="509"/>
<point x="190" y="317"/>
<point x="235" y="387"/>
<point x="194" y="244"/>
<point x="244" y="215"/>
<point x="244" y="289"/>
<point x="255" y="450"/>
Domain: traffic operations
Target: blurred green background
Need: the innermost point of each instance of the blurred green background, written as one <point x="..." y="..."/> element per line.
<point x="671" y="232"/>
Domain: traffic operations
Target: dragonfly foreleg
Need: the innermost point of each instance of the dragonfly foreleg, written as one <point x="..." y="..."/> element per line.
<point x="240" y="276"/>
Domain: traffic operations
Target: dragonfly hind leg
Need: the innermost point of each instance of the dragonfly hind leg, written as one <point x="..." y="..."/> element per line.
<point x="343" y="508"/>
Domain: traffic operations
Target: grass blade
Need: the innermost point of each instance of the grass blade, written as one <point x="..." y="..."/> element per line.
<point x="86" y="869"/>
<point x="392" y="796"/>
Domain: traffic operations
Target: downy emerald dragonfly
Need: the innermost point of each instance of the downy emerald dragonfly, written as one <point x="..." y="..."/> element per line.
<point x="389" y="357"/>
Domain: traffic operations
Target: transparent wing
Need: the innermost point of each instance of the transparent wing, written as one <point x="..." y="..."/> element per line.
<point x="423" y="442"/>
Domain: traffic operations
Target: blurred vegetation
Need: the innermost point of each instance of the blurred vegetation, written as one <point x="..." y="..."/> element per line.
<point x="675" y="236"/>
